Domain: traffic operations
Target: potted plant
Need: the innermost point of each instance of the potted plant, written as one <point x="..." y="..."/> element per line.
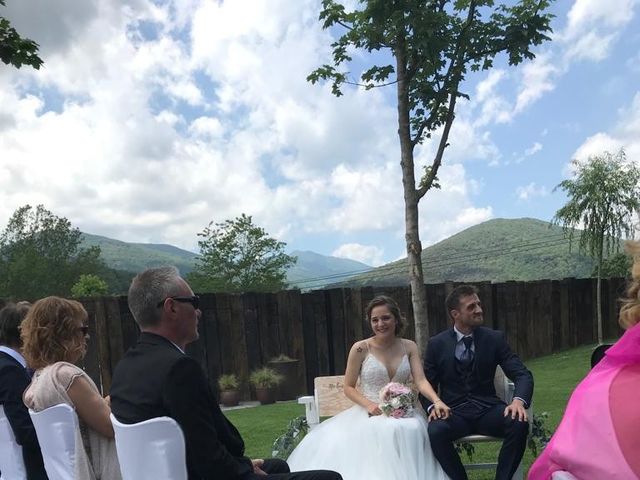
<point x="265" y="380"/>
<point x="229" y="390"/>
<point x="286" y="366"/>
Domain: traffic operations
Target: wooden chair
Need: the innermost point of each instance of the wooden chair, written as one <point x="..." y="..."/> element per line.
<point x="329" y="399"/>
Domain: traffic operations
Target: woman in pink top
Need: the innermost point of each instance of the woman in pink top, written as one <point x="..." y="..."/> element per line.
<point x="601" y="425"/>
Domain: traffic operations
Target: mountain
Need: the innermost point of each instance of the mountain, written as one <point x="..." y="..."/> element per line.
<point x="134" y="257"/>
<point x="497" y="250"/>
<point x="309" y="271"/>
<point x="313" y="270"/>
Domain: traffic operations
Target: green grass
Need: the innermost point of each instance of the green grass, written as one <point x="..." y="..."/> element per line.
<point x="260" y="426"/>
<point x="555" y="378"/>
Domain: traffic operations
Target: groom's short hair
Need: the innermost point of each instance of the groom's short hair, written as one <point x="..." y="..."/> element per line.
<point x="453" y="299"/>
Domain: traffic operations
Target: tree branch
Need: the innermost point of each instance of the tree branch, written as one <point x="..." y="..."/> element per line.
<point x="370" y="86"/>
<point x="437" y="161"/>
<point x="447" y="78"/>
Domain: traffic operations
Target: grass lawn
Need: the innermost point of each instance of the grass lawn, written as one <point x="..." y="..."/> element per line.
<point x="555" y="378"/>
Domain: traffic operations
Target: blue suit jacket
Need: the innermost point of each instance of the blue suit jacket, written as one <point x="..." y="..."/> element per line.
<point x="491" y="350"/>
<point x="13" y="382"/>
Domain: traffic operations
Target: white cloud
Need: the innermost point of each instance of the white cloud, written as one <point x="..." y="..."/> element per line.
<point x="149" y="136"/>
<point x="596" y="144"/>
<point x="593" y="26"/>
<point x="537" y="79"/>
<point x="369" y="254"/>
<point x="533" y="149"/>
<point x="530" y="191"/>
<point x="450" y="209"/>
<point x="625" y="134"/>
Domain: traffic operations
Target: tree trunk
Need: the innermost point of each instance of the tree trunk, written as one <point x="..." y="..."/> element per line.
<point x="411" y="199"/>
<point x="599" y="294"/>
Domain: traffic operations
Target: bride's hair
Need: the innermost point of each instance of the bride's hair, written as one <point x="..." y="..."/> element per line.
<point x="390" y="303"/>
<point x="630" y="310"/>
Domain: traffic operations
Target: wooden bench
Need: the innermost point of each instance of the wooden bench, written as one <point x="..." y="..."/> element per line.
<point x="329" y="399"/>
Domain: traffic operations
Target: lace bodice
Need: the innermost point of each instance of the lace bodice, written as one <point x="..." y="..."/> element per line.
<point x="374" y="376"/>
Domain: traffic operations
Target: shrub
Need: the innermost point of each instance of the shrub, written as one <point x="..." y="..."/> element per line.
<point x="265" y="377"/>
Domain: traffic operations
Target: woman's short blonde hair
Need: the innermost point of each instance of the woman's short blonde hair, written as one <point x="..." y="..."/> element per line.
<point x="630" y="310"/>
<point x="50" y="332"/>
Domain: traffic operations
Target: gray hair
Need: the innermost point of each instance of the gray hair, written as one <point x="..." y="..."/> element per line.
<point x="149" y="288"/>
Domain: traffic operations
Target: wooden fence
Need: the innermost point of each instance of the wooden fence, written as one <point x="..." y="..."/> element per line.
<point x="239" y="333"/>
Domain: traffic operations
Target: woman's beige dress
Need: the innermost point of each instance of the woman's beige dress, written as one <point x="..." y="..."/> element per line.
<point x="96" y="457"/>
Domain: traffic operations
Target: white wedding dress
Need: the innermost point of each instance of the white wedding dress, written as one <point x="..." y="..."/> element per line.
<point x="360" y="447"/>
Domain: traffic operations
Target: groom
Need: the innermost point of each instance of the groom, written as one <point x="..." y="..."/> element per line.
<point x="461" y="362"/>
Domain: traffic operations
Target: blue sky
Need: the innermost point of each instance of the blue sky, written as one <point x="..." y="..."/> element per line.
<point x="153" y="118"/>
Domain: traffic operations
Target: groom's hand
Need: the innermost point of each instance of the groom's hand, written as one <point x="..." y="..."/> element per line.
<point x="516" y="410"/>
<point x="439" y="411"/>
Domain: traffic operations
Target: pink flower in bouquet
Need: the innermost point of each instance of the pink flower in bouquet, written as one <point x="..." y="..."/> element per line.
<point x="396" y="400"/>
<point x="393" y="389"/>
<point x="398" y="413"/>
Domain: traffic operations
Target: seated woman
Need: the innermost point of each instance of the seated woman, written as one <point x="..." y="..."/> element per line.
<point x="361" y="443"/>
<point x="600" y="431"/>
<point x="54" y="336"/>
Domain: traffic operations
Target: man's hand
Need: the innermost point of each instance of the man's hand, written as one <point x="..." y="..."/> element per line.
<point x="516" y="410"/>
<point x="374" y="409"/>
<point x="441" y="410"/>
<point x="257" y="463"/>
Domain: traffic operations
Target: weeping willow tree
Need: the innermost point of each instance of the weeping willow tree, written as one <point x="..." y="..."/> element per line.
<point x="603" y="202"/>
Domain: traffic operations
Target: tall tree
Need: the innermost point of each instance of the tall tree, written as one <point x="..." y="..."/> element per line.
<point x="604" y="197"/>
<point x="432" y="46"/>
<point x="15" y="50"/>
<point x="89" y="285"/>
<point x="40" y="255"/>
<point x="238" y="256"/>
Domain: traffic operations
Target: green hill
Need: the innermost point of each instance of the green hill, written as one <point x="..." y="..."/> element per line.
<point x="134" y="257"/>
<point x="497" y="250"/>
<point x="311" y="270"/>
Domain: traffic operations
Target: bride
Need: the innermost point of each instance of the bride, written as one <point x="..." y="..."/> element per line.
<point x="361" y="442"/>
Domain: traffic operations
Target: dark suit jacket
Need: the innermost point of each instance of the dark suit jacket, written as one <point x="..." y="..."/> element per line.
<point x="13" y="382"/>
<point x="491" y="350"/>
<point x="155" y="379"/>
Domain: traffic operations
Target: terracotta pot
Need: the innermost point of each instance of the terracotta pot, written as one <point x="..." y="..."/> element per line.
<point x="230" y="398"/>
<point x="289" y="389"/>
<point x="266" y="395"/>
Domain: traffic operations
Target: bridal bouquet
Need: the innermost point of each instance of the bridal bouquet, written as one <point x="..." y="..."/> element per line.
<point x="396" y="400"/>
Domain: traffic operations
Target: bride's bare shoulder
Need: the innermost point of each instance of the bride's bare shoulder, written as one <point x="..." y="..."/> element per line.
<point x="360" y="348"/>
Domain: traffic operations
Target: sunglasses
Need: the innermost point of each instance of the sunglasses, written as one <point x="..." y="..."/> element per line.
<point x="194" y="300"/>
<point x="84" y="329"/>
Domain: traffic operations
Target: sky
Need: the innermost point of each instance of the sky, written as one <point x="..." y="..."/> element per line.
<point x="151" y="119"/>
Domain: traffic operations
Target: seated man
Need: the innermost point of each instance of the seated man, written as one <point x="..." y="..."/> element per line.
<point x="14" y="379"/>
<point x="155" y="378"/>
<point x="461" y="362"/>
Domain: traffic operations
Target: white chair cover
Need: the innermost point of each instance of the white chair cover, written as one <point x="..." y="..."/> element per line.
<point x="56" y="430"/>
<point x="151" y="449"/>
<point x="11" y="462"/>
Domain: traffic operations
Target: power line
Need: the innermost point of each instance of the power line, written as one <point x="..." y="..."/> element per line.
<point x="464" y="255"/>
<point x="390" y="269"/>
